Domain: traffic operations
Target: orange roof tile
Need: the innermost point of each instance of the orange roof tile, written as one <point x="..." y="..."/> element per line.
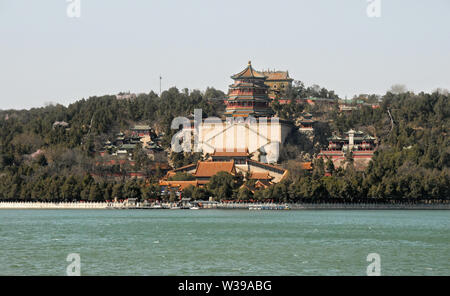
<point x="306" y="165"/>
<point x="210" y="168"/>
<point x="260" y="176"/>
<point x="181" y="184"/>
<point x="235" y="152"/>
<point x="262" y="184"/>
<point x="170" y="174"/>
<point x="278" y="75"/>
<point x="186" y="167"/>
<point x="248" y="72"/>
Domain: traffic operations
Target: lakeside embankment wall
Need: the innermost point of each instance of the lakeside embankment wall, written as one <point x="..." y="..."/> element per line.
<point x="356" y="206"/>
<point x="244" y="206"/>
<point x="52" y="205"/>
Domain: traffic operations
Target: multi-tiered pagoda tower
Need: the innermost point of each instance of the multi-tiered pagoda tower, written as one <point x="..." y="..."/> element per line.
<point x="248" y="95"/>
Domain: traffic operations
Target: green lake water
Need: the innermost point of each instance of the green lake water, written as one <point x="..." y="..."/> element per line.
<point x="224" y="242"/>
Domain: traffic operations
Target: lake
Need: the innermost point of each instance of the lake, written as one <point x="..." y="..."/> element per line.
<point x="224" y="242"/>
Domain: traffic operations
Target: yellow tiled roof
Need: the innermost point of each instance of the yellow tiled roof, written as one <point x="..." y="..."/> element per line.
<point x="249" y="72"/>
<point x="210" y="168"/>
<point x="278" y="75"/>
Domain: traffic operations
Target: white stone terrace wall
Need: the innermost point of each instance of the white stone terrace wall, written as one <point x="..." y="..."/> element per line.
<point x="51" y="205"/>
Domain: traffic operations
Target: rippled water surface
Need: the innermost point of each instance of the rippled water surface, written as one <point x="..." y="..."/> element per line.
<point x="224" y="242"/>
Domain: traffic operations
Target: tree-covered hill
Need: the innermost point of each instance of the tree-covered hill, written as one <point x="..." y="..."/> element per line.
<point x="412" y="160"/>
<point x="68" y="151"/>
<point x="41" y="160"/>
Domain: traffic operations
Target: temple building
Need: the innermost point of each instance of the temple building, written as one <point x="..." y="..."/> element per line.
<point x="356" y="144"/>
<point x="126" y="96"/>
<point x="252" y="91"/>
<point x="246" y="165"/>
<point x="202" y="171"/>
<point x="343" y="108"/>
<point x="278" y="82"/>
<point x="141" y="130"/>
<point x="306" y="123"/>
<point x="239" y="157"/>
<point x="176" y="186"/>
<point x="248" y="124"/>
<point x="248" y="95"/>
<point x="206" y="169"/>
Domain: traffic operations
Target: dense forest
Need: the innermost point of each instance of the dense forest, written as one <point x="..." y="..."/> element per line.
<point x="411" y="162"/>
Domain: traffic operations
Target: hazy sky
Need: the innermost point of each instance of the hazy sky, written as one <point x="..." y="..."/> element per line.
<point x="45" y="56"/>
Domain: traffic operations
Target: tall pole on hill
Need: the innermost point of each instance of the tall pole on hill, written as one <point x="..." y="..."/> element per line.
<point x="160" y="78"/>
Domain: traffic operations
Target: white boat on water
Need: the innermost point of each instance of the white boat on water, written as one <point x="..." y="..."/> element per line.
<point x="194" y="208"/>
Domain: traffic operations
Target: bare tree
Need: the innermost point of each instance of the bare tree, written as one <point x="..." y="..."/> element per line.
<point x="398" y="89"/>
<point x="442" y="91"/>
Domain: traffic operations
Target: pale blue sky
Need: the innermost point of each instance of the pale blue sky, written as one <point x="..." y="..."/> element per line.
<point x="116" y="45"/>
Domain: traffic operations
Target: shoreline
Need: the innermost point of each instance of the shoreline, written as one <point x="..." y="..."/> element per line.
<point x="219" y="206"/>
